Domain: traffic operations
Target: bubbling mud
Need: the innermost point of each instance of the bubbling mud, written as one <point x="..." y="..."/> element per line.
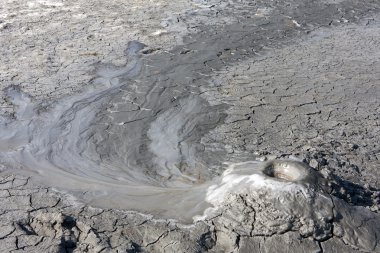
<point x="286" y="170"/>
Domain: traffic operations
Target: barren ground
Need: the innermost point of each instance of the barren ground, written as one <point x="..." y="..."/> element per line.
<point x="223" y="82"/>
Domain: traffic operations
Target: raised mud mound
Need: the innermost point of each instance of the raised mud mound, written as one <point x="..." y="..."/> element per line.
<point x="279" y="196"/>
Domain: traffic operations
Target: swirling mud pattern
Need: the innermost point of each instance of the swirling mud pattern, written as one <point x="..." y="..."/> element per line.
<point x="134" y="138"/>
<point x="132" y="141"/>
<point x="118" y="144"/>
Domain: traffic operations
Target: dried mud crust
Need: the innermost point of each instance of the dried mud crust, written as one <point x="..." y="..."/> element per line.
<point x="34" y="219"/>
<point x="50" y="48"/>
<point x="278" y="98"/>
<point x="318" y="99"/>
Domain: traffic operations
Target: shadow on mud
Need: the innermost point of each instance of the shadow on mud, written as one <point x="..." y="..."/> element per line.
<point x="353" y="193"/>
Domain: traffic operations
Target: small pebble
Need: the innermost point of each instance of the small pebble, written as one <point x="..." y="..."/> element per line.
<point x="313" y="163"/>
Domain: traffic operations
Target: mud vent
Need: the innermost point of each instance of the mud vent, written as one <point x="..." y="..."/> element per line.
<point x="286" y="170"/>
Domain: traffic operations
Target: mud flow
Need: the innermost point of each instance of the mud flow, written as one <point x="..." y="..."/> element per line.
<point x="128" y="144"/>
<point x="119" y="144"/>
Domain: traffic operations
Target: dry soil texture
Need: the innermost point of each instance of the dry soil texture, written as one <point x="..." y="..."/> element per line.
<point x="189" y="95"/>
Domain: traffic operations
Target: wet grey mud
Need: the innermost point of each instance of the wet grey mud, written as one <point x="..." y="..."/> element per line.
<point x="252" y="132"/>
<point x="126" y="145"/>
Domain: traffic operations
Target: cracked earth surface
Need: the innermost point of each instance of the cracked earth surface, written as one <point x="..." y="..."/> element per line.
<point x="295" y="83"/>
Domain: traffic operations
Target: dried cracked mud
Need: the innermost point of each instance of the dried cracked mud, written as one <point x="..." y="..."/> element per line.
<point x="194" y="126"/>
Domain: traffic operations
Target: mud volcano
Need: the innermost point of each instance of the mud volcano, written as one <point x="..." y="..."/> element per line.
<point x="133" y="147"/>
<point x="287" y="170"/>
<point x="189" y="126"/>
